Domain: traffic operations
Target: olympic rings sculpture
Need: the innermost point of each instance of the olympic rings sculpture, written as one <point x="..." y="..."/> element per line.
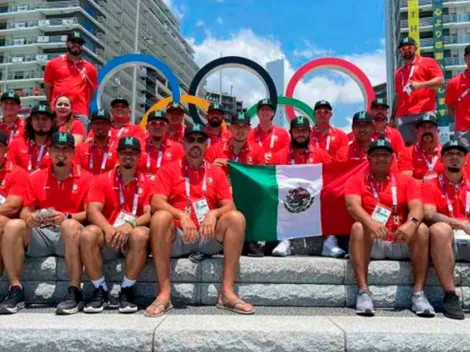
<point x="289" y="102"/>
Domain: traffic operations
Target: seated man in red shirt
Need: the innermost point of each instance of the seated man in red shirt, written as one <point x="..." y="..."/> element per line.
<point x="159" y="149"/>
<point x="447" y="208"/>
<point x="324" y="135"/>
<point x="195" y="213"/>
<point x="362" y="128"/>
<point x="268" y="137"/>
<point x="422" y="159"/>
<point x="237" y="148"/>
<point x="379" y="112"/>
<point x="121" y="124"/>
<point x="31" y="151"/>
<point x="388" y="211"/>
<point x="50" y="224"/>
<point x="119" y="211"/>
<point x="98" y="155"/>
<point x="11" y="124"/>
<point x="175" y="113"/>
<point x="215" y="117"/>
<point x="13" y="181"/>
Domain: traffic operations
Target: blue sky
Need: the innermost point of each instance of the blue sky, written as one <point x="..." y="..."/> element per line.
<point x="297" y="31"/>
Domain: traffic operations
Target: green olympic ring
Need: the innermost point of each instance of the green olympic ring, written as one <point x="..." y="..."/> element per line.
<point x="282" y="100"/>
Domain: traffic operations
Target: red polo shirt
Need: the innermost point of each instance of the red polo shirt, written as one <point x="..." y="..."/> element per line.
<point x="457" y="94"/>
<point x="422" y="100"/>
<point x="408" y="190"/>
<point x="331" y="142"/>
<point x="413" y="159"/>
<point x="394" y="137"/>
<point x="289" y="156"/>
<point x="178" y="135"/>
<point x="250" y="154"/>
<point x="169" y="152"/>
<point x="105" y="190"/>
<point x="13" y="180"/>
<point x="170" y="182"/>
<point x="96" y="160"/>
<point x="76" y="80"/>
<point x="76" y="127"/>
<point x="351" y="152"/>
<point x="44" y="190"/>
<point x="216" y="138"/>
<point x="272" y="141"/>
<point x="17" y="130"/>
<point x="434" y="194"/>
<point x="26" y="154"/>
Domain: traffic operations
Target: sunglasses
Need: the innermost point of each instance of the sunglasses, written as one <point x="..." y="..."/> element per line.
<point x="157" y="123"/>
<point x="198" y="140"/>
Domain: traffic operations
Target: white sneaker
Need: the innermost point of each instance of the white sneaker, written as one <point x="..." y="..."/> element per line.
<point x="331" y="249"/>
<point x="282" y="249"/>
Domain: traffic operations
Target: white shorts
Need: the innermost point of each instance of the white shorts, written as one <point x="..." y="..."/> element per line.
<point x="389" y="250"/>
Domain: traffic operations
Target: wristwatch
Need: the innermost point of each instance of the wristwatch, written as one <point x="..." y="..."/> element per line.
<point x="68" y="216"/>
<point x="413" y="219"/>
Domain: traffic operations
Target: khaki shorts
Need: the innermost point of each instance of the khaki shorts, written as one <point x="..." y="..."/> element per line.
<point x="180" y="248"/>
<point x="45" y="242"/>
<point x="389" y="250"/>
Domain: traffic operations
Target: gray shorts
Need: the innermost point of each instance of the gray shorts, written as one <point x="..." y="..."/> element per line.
<point x="463" y="137"/>
<point x="407" y="127"/>
<point x="180" y="248"/>
<point x="45" y="242"/>
<point x="109" y="254"/>
<point x="389" y="250"/>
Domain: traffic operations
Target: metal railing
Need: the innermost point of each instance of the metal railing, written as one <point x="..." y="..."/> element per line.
<point x="404" y="3"/>
<point x="453" y="39"/>
<point x="42" y="23"/>
<point x="41" y="5"/>
<point x="454" y="61"/>
<point x="40" y="58"/>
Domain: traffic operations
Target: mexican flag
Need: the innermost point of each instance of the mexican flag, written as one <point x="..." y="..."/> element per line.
<point x="293" y="201"/>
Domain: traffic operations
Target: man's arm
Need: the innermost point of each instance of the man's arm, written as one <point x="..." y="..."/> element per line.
<point x="11" y="207"/>
<point x="48" y="91"/>
<point x="355" y="209"/>
<point x="394" y="105"/>
<point x="160" y="202"/>
<point x="144" y="219"/>
<point x="96" y="217"/>
<point x="416" y="209"/>
<point x="435" y="83"/>
<point x="225" y="206"/>
<point x="451" y="110"/>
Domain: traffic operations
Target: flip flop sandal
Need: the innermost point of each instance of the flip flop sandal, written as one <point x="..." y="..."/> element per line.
<point x="168" y="306"/>
<point x="232" y="307"/>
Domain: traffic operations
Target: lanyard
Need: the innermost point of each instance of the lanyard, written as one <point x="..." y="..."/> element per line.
<point x="292" y="158"/>
<point x="318" y="136"/>
<point x="464" y="94"/>
<point x="121" y="130"/>
<point x="38" y="158"/>
<point x="430" y="164"/>
<point x="412" y="71"/>
<point x="394" y="192"/>
<point x="92" y="152"/>
<point x="233" y="157"/>
<point x="449" y="203"/>
<point x="187" y="182"/>
<point x="159" y="158"/>
<point x="273" y="138"/>
<point x="122" y="201"/>
<point x="13" y="131"/>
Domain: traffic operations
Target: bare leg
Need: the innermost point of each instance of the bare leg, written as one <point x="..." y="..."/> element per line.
<point x="361" y="244"/>
<point x="137" y="254"/>
<point x="419" y="250"/>
<point x="441" y="239"/>
<point x="70" y="232"/>
<point x="3" y="221"/>
<point x="16" y="236"/>
<point x="91" y="243"/>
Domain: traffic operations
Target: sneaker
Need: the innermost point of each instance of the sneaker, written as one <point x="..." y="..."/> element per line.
<point x="127" y="300"/>
<point x="252" y="249"/>
<point x="421" y="306"/>
<point x="99" y="300"/>
<point x="452" y="306"/>
<point x="13" y="301"/>
<point x="72" y="303"/>
<point x="331" y="248"/>
<point x="364" y="303"/>
<point x="282" y="249"/>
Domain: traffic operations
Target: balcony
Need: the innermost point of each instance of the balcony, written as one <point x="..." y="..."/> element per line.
<point x="24" y="8"/>
<point x="38" y="59"/>
<point x="44" y="25"/>
<point x="454" y="61"/>
<point x="404" y="3"/>
<point x="448" y="40"/>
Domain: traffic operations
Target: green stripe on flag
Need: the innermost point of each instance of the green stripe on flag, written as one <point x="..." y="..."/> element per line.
<point x="255" y="192"/>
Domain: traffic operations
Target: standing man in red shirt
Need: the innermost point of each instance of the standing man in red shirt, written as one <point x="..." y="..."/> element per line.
<point x="13" y="181"/>
<point x="11" y="124"/>
<point x="236" y="148"/>
<point x="324" y="135"/>
<point x="175" y="113"/>
<point x="31" y="151"/>
<point x="379" y="112"/>
<point x="159" y="149"/>
<point x="119" y="211"/>
<point x="416" y="83"/>
<point x="388" y="211"/>
<point x="268" y="137"/>
<point x="447" y="208"/>
<point x="98" y="155"/>
<point x="73" y="76"/>
<point x="215" y="130"/>
<point x="195" y="213"/>
<point x="458" y="101"/>
<point x="422" y="160"/>
<point x="121" y="122"/>
<point x="50" y="224"/>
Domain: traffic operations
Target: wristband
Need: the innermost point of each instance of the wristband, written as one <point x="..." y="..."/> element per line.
<point x="414" y="220"/>
<point x="132" y="222"/>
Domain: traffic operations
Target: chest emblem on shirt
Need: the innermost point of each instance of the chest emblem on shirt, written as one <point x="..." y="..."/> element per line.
<point x="298" y="200"/>
<point x="209" y="180"/>
<point x="74" y="188"/>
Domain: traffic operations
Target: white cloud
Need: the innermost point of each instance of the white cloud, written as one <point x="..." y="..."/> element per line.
<point x="200" y="23"/>
<point x="310" y="51"/>
<point x="219" y="20"/>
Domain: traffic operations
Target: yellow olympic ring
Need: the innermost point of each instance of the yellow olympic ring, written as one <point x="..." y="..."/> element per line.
<point x="189" y="99"/>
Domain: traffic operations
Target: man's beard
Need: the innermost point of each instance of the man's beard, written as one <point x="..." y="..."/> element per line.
<point x="454" y="170"/>
<point x="408" y="56"/>
<point x="215" y="123"/>
<point x="427" y="134"/>
<point x="300" y="145"/>
<point x="127" y="166"/>
<point x="69" y="50"/>
<point x="60" y="163"/>
<point x="41" y="133"/>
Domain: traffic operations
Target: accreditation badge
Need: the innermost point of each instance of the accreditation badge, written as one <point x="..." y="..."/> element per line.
<point x="381" y="214"/>
<point x="201" y="208"/>
<point x="123" y="218"/>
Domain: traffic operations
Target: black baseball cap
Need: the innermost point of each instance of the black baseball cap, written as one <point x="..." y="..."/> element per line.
<point x="377" y="102"/>
<point x="101" y="115"/>
<point x="196" y="128"/>
<point x="62" y="138"/>
<point x="76" y="35"/>
<point x="11" y="95"/>
<point x="362" y="116"/>
<point x="3" y="138"/>
<point x="215" y="107"/>
<point x="265" y="102"/>
<point x="380" y="144"/>
<point x="241" y="118"/>
<point x="42" y="109"/>
<point x="157" y="116"/>
<point x="454" y="144"/>
<point x="175" y="106"/>
<point x="129" y="143"/>
<point x="428" y="117"/>
<point x="323" y="104"/>
<point x="119" y="100"/>
<point x="467" y="50"/>
<point x="406" y="41"/>
<point x="300" y="121"/>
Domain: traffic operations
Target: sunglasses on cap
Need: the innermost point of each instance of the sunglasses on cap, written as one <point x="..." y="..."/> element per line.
<point x="198" y="140"/>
